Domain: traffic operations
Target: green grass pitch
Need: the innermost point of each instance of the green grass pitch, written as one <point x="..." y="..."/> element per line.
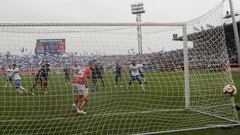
<point x="112" y="110"/>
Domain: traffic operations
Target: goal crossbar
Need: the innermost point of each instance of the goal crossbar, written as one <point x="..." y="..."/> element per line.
<point x="91" y="24"/>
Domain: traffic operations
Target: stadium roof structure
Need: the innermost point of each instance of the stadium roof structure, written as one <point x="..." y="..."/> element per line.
<point x="207" y="35"/>
<point x="229" y="35"/>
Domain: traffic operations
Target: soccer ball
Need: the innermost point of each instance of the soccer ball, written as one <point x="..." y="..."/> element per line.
<point x="230" y="90"/>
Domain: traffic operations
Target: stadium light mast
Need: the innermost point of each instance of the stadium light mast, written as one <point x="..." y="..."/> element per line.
<point x="138" y="10"/>
<point x="235" y="30"/>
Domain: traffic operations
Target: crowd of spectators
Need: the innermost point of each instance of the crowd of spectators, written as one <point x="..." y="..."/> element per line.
<point x="28" y="63"/>
<point x="158" y="61"/>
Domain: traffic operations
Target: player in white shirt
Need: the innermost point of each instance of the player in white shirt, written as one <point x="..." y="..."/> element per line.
<point x="17" y="78"/>
<point x="9" y="81"/>
<point x="141" y="72"/>
<point x="135" y="75"/>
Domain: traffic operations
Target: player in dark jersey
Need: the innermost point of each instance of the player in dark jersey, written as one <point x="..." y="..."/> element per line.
<point x="94" y="75"/>
<point x="41" y="78"/>
<point x="118" y="73"/>
<point x="66" y="71"/>
<point x="36" y="82"/>
<point x="44" y="78"/>
<point x="97" y="71"/>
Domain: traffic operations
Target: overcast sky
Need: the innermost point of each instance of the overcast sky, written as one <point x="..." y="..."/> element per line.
<point x="103" y="10"/>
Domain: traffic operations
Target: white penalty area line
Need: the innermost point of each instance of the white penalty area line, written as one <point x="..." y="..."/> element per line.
<point x="138" y="112"/>
<point x="96" y="115"/>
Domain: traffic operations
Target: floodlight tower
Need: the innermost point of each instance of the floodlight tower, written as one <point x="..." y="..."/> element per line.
<point x="138" y="10"/>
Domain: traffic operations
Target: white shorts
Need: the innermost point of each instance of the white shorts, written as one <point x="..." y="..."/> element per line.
<point x="80" y="89"/>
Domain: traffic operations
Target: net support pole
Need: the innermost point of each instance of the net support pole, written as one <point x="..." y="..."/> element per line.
<point x="186" y="69"/>
<point x="235" y="30"/>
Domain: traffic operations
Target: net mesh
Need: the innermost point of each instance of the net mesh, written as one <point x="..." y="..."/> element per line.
<point x="156" y="103"/>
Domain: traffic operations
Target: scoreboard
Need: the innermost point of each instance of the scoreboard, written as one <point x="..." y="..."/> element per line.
<point x="50" y="46"/>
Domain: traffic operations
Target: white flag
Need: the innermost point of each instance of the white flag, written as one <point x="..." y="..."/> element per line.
<point x="195" y="28"/>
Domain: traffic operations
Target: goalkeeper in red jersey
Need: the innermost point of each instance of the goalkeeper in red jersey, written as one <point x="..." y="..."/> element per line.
<point x="80" y="87"/>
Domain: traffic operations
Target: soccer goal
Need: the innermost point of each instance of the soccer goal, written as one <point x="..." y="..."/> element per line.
<point x="184" y="68"/>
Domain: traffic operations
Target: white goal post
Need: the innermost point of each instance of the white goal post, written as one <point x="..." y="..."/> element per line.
<point x="183" y="25"/>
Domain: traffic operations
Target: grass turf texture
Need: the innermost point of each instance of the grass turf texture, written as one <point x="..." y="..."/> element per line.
<point x="114" y="110"/>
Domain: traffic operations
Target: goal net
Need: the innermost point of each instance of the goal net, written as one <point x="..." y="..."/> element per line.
<point x="185" y="68"/>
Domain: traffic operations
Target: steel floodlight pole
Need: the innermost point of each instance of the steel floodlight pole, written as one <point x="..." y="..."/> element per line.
<point x="139" y="30"/>
<point x="138" y="10"/>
